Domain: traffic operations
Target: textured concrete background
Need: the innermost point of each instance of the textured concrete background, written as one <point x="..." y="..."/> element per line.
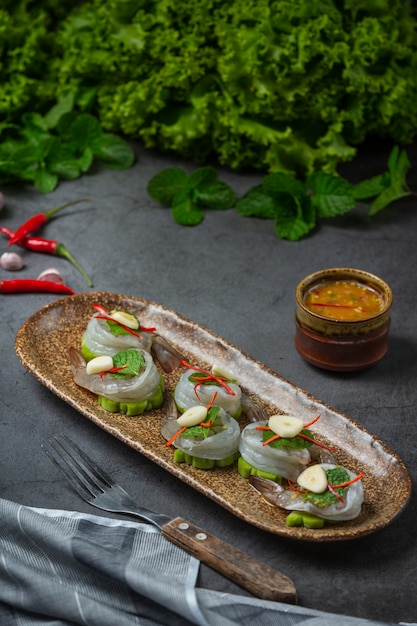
<point x="232" y="275"/>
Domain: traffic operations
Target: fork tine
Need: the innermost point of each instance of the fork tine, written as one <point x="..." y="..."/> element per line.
<point x="69" y="475"/>
<point x="90" y="468"/>
<point x="83" y="474"/>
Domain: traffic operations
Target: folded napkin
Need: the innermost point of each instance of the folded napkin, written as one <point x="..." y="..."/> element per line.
<point x="61" y="568"/>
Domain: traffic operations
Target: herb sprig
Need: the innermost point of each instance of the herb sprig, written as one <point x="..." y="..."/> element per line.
<point x="61" y="144"/>
<point x="189" y="195"/>
<point x="296" y="207"/>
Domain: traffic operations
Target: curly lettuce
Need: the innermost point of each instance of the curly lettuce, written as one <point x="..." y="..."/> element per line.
<point x="279" y="85"/>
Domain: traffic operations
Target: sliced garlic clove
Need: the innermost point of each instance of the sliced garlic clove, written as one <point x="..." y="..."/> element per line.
<point x="125" y="318"/>
<point x="314" y="478"/>
<point x="192" y="416"/>
<point x="99" y="364"/>
<point x="285" y="425"/>
<point x="219" y="370"/>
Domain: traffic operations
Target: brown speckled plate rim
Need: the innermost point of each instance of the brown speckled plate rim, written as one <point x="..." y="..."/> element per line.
<point x="40" y="344"/>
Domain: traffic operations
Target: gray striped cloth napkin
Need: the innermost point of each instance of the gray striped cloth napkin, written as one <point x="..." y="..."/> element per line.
<point x="61" y="568"/>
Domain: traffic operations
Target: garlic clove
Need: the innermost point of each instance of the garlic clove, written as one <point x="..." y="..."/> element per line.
<point x="125" y="318"/>
<point x="219" y="370"/>
<point x="51" y="274"/>
<point x="99" y="364"/>
<point x="314" y="478"/>
<point x="11" y="261"/>
<point x="285" y="425"/>
<point x="192" y="416"/>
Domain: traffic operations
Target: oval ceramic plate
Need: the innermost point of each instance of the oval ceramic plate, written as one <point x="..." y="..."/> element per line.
<point x="42" y="346"/>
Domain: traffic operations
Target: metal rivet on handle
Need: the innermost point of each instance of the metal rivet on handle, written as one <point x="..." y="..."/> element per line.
<point x="184" y="526"/>
<point x="201" y="536"/>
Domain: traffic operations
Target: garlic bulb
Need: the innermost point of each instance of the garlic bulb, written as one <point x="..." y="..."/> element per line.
<point x="11" y="261"/>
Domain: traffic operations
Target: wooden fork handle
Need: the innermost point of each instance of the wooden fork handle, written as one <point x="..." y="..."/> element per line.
<point x="253" y="575"/>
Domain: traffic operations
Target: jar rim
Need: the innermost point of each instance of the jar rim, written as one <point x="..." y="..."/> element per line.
<point x="344" y="273"/>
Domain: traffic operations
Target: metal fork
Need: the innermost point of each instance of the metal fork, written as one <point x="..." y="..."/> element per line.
<point x="97" y="488"/>
<point x="94" y="485"/>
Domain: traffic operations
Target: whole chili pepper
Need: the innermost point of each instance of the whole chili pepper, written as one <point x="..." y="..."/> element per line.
<point x="20" y="285"/>
<point x="36" y="221"/>
<point x="47" y="246"/>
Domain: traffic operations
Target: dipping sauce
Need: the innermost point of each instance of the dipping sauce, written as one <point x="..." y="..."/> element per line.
<point x="344" y="300"/>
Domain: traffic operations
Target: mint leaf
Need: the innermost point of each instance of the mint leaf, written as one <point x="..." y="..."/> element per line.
<point x="331" y="196"/>
<point x="85" y="132"/>
<point x="201" y="177"/>
<point x="385" y="198"/>
<point x="132" y="361"/>
<point x="33" y="124"/>
<point x="283" y="199"/>
<point x="116" y="329"/>
<point x="44" y="180"/>
<point x="290" y="442"/>
<point x="186" y="212"/>
<point x="277" y="183"/>
<point x="196" y="432"/>
<point x="294" y="218"/>
<point x="335" y="476"/>
<point x="213" y="413"/>
<point x="202" y="432"/>
<point x="256" y="203"/>
<point x="165" y="185"/>
<point x="61" y="161"/>
<point x="215" y="195"/>
<point x="398" y="165"/>
<point x="114" y="152"/>
<point x="85" y="160"/>
<point x="371" y="187"/>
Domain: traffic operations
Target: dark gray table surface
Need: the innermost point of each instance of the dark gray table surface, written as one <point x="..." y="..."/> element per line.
<point x="232" y="275"/>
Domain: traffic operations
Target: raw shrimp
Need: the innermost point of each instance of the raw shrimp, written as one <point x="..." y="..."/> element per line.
<point x="188" y="393"/>
<point x="283" y="461"/>
<point x="129" y="388"/>
<point x="223" y="443"/>
<point x="99" y="340"/>
<point x="347" y="509"/>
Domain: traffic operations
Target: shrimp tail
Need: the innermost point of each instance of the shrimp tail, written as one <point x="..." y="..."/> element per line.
<point x="76" y="360"/>
<point x="268" y="489"/>
<point x="172" y="411"/>
<point x="252" y="409"/>
<point x="168" y="357"/>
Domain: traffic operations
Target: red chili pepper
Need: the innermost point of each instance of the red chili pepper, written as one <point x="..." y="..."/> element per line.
<point x="46" y="246"/>
<point x="36" y="221"/>
<point x="20" y="285"/>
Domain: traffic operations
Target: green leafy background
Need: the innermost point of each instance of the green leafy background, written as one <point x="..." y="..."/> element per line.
<point x="281" y="85"/>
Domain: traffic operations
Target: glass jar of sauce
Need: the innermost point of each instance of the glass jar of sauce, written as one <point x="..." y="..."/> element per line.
<point x="343" y="316"/>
